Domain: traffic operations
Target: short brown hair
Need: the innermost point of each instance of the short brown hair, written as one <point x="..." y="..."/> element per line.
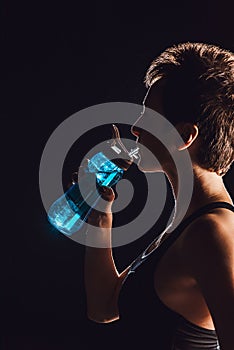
<point x="200" y="89"/>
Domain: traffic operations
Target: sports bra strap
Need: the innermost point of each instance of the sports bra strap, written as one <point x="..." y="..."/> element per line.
<point x="178" y="230"/>
<point x="203" y="210"/>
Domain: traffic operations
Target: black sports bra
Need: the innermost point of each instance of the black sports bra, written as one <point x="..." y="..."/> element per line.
<point x="143" y="315"/>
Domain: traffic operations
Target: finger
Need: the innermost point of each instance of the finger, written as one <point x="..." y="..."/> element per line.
<point x="107" y="193"/>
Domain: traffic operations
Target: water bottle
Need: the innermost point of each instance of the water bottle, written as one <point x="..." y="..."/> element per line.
<point x="69" y="212"/>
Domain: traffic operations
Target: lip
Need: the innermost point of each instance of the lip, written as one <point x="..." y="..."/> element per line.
<point x="140" y="157"/>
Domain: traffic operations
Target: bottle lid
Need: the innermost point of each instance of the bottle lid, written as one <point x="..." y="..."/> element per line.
<point x="118" y="152"/>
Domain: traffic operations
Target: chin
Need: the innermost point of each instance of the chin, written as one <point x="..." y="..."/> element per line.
<point x="148" y="163"/>
<point x="149" y="168"/>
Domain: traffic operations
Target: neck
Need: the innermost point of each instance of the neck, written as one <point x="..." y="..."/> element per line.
<point x="207" y="187"/>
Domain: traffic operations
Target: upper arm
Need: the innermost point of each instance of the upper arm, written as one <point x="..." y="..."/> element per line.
<point x="210" y="257"/>
<point x="105" y="310"/>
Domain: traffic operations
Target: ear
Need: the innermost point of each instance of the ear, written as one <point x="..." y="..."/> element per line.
<point x="188" y="132"/>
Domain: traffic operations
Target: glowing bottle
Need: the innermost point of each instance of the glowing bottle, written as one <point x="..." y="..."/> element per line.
<point x="69" y="212"/>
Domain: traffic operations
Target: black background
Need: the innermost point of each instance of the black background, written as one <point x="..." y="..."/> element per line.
<point x="58" y="58"/>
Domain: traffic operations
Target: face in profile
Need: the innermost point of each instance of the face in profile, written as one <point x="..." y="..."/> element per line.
<point x="154" y="134"/>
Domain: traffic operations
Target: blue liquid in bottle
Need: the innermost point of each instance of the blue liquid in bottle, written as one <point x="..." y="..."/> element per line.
<point x="69" y="212"/>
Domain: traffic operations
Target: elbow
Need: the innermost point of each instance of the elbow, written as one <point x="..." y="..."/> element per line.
<point x="101" y="318"/>
<point x="103" y="315"/>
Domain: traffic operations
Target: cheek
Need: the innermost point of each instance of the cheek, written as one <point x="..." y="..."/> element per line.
<point x="151" y="145"/>
<point x="153" y="152"/>
<point x="149" y="156"/>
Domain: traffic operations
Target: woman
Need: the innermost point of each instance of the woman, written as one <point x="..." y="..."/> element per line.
<point x="189" y="279"/>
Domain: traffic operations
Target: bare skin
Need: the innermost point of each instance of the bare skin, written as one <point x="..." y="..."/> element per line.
<point x="195" y="277"/>
<point x="175" y="283"/>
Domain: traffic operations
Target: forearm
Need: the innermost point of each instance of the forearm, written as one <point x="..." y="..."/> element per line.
<point x="101" y="276"/>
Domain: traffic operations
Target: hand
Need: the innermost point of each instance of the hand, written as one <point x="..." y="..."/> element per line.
<point x="104" y="217"/>
<point x="101" y="217"/>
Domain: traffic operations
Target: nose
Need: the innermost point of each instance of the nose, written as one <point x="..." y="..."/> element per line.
<point x="135" y="130"/>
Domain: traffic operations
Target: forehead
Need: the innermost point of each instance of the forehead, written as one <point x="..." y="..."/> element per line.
<point x="154" y="97"/>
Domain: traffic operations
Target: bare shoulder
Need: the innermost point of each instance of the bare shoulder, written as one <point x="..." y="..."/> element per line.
<point x="208" y="254"/>
<point x="215" y="225"/>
